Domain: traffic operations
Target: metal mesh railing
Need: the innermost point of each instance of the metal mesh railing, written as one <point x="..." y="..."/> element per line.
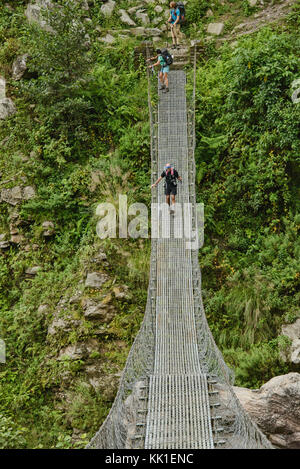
<point x="176" y="390"/>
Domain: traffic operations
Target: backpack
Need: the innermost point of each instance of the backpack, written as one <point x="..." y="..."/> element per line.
<point x="181" y="8"/>
<point x="167" y="56"/>
<point x="173" y="178"/>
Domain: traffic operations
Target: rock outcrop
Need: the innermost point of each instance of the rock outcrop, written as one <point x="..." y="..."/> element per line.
<point x="7" y="107"/>
<point x="17" y="194"/>
<point x="19" y="66"/>
<point x="275" y="408"/>
<point x="292" y="331"/>
<point x="33" y="13"/>
<point x="108" y="8"/>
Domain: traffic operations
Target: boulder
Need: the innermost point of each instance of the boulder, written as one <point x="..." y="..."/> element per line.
<point x="78" y="351"/>
<point x="134" y="9"/>
<point x="12" y="196"/>
<point x="108" y="39"/>
<point x="153" y="31"/>
<point x="95" y="279"/>
<point x="215" y="28"/>
<point x="15" y="195"/>
<point x="28" y="192"/>
<point x="275" y="408"/>
<point x="17" y="239"/>
<point x="4" y="244"/>
<point x="292" y="331"/>
<point x="99" y="310"/>
<point x="19" y="66"/>
<point x="32" y="271"/>
<point x="142" y="16"/>
<point x="72" y="352"/>
<point x="125" y="18"/>
<point x="119" y="294"/>
<point x="7" y="108"/>
<point x="108" y="8"/>
<point x="33" y="13"/>
<point x="48" y="227"/>
<point x="2" y="88"/>
<point x="139" y="31"/>
<point x="61" y="325"/>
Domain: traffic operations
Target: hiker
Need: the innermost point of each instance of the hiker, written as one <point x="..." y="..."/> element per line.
<point x="164" y="69"/>
<point x="171" y="175"/>
<point x="174" y="21"/>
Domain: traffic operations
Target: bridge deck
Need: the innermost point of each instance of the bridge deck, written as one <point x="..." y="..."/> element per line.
<point x="178" y="405"/>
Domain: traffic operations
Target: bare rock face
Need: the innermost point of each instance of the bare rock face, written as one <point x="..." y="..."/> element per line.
<point x="108" y="8"/>
<point x="101" y="382"/>
<point x="141" y="15"/>
<point x="62" y="321"/>
<point x="125" y="18"/>
<point x="16" y="194"/>
<point x="215" y="28"/>
<point x="2" y="88"/>
<point x="4" y="243"/>
<point x="102" y="311"/>
<point x="275" y="408"/>
<point x="19" y="67"/>
<point x="293" y="332"/>
<point x="95" y="279"/>
<point x="7" y="108"/>
<point x="33" y="12"/>
<point x="48" y="227"/>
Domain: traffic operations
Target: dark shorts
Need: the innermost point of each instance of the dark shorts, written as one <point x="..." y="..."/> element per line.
<point x="170" y="189"/>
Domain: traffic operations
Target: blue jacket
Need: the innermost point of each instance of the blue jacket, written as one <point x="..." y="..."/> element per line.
<point x="174" y="15"/>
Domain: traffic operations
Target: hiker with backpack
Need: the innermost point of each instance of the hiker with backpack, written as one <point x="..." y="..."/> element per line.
<point x="176" y="18"/>
<point x="171" y="175"/>
<point x="164" y="60"/>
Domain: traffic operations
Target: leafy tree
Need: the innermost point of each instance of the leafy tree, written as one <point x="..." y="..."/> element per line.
<point x="61" y="59"/>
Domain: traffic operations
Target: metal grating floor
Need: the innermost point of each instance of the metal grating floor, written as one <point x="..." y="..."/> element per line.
<point x="178" y="406"/>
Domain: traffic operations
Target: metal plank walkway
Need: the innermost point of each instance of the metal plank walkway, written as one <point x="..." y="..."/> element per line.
<point x="178" y="405"/>
<point x="163" y="400"/>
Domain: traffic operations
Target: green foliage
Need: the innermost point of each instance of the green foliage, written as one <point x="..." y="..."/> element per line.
<point x="247" y="158"/>
<point x="256" y="366"/>
<point x="195" y="10"/>
<point x="82" y="110"/>
<point x="11" y="436"/>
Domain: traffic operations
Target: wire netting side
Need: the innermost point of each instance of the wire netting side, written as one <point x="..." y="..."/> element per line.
<point x="239" y="430"/>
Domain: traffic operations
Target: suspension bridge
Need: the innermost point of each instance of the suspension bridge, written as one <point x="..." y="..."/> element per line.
<point x="176" y="390"/>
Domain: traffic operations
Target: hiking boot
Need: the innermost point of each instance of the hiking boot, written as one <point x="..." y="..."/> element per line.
<point x="166" y="90"/>
<point x="162" y="87"/>
<point x="173" y="46"/>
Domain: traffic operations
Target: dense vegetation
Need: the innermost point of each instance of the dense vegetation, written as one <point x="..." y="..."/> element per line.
<point x="248" y="177"/>
<point x="81" y="136"/>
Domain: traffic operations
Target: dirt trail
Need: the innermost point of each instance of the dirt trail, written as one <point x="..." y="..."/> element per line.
<point x="268" y="15"/>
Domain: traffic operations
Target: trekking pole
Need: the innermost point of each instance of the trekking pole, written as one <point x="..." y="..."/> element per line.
<point x="167" y="35"/>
